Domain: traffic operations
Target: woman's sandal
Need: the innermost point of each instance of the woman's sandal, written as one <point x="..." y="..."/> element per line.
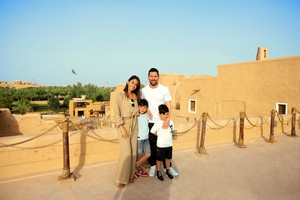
<point x="120" y="185"/>
<point x="131" y="180"/>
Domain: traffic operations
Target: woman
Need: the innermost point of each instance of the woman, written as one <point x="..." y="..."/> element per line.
<point x="126" y="112"/>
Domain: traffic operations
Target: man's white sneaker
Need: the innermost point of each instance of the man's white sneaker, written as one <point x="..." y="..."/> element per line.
<point x="152" y="170"/>
<point x="173" y="171"/>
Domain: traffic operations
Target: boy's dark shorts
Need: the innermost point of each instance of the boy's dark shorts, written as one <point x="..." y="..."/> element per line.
<point x="163" y="153"/>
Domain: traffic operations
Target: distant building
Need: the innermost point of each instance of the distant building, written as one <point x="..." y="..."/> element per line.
<point x="82" y="107"/>
<point x="254" y="87"/>
<point x="18" y="84"/>
<point x="4" y="84"/>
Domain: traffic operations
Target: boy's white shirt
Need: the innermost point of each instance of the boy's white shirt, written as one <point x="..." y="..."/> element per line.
<point x="164" y="136"/>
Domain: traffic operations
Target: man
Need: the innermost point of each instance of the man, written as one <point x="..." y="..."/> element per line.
<point x="156" y="94"/>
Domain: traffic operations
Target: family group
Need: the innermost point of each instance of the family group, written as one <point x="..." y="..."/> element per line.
<point x="144" y="127"/>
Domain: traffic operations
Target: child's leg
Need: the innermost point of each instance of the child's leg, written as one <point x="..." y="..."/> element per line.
<point x="139" y="151"/>
<point x="146" y="152"/>
<point x="168" y="173"/>
<point x="158" y="165"/>
<point x="138" y="161"/>
<point x="142" y="159"/>
<point x="168" y="161"/>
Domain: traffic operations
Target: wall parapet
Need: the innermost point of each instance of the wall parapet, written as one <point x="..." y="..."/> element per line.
<point x="92" y="146"/>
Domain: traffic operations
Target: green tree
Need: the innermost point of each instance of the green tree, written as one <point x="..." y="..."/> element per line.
<point x="6" y="97"/>
<point x="41" y="93"/>
<point x="6" y="102"/>
<point x="54" y="104"/>
<point x="66" y="102"/>
<point x="23" y="106"/>
<point x="99" y="98"/>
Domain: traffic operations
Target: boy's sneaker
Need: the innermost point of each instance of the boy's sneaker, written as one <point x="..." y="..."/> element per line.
<point x="168" y="174"/>
<point x="173" y="171"/>
<point x="159" y="176"/>
<point x="142" y="172"/>
<point x="152" y="170"/>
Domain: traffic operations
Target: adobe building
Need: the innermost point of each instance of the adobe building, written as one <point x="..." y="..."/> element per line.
<point x="254" y="87"/>
<point x="18" y="84"/>
<point x="82" y="107"/>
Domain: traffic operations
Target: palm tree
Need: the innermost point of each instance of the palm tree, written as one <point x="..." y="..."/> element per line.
<point x="22" y="107"/>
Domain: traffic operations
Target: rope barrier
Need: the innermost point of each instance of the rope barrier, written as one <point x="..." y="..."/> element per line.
<point x="220" y="126"/>
<point x="186" y="118"/>
<point x="181" y="133"/>
<point x="184" y="132"/>
<point x="101" y="138"/>
<point x="47" y="145"/>
<point x="254" y="125"/>
<point x="281" y="120"/>
<point x="266" y="121"/>
<point x="77" y="128"/>
<point x="33" y="138"/>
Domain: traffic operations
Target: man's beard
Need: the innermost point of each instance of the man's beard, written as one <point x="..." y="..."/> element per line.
<point x="153" y="83"/>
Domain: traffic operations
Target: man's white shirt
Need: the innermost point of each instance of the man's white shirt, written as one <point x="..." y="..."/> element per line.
<point x="155" y="97"/>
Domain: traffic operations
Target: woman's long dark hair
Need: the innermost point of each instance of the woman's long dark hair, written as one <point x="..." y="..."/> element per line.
<point x="137" y="89"/>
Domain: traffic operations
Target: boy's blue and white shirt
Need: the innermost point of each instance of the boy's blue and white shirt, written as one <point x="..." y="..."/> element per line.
<point x="143" y="128"/>
<point x="164" y="136"/>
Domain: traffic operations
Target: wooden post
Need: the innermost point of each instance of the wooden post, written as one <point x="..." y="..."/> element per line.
<point x="202" y="139"/>
<point x="271" y="139"/>
<point x="293" y="131"/>
<point x="241" y="135"/>
<point x="66" y="174"/>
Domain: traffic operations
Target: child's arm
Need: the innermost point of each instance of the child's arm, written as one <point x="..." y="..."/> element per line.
<point x="166" y="123"/>
<point x="149" y="114"/>
<point x="154" y="129"/>
<point x="155" y="133"/>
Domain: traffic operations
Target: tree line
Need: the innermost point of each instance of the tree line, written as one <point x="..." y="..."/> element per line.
<point x="16" y="99"/>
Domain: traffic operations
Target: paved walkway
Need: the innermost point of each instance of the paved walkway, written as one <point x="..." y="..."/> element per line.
<point x="259" y="171"/>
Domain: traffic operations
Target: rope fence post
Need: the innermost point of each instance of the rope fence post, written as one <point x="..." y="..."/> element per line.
<point x="271" y="139"/>
<point x="293" y="131"/>
<point x="241" y="135"/>
<point x="202" y="149"/>
<point x="66" y="174"/>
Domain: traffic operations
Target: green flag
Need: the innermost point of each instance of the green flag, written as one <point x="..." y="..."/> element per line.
<point x="73" y="72"/>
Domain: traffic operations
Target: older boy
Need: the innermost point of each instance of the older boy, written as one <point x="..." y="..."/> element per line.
<point x="143" y="145"/>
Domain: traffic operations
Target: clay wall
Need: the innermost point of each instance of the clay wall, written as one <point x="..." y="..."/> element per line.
<point x="88" y="147"/>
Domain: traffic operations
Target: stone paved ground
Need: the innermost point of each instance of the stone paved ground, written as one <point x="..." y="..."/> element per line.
<point x="259" y="171"/>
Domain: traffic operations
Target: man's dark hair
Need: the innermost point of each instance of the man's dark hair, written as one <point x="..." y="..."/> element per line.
<point x="163" y="109"/>
<point x="153" y="70"/>
<point x="143" y="102"/>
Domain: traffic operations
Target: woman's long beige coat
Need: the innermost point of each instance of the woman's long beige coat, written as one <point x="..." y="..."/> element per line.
<point x="126" y="114"/>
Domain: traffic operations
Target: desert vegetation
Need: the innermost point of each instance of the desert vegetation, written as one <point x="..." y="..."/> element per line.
<point x="50" y="98"/>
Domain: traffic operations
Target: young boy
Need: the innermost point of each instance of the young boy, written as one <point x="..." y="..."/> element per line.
<point x="143" y="145"/>
<point x="164" y="142"/>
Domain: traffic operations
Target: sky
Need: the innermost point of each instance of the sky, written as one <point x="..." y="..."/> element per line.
<point x="107" y="41"/>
